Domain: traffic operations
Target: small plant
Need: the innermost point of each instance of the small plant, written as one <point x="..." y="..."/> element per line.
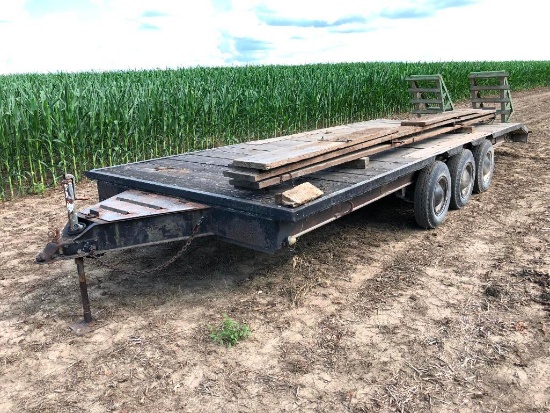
<point x="229" y="332"/>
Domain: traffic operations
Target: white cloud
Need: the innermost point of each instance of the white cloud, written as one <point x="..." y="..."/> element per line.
<point x="134" y="34"/>
<point x="12" y="10"/>
<point x="117" y="37"/>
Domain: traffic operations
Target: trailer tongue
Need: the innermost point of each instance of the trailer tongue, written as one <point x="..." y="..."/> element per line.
<point x="126" y="220"/>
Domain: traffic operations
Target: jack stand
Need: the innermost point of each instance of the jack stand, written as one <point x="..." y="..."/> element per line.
<point x="83" y="326"/>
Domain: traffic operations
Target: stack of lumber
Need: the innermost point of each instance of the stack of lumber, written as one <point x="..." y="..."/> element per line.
<point x="297" y="155"/>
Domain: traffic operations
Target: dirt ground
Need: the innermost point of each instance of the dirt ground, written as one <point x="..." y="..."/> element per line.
<point x="368" y="314"/>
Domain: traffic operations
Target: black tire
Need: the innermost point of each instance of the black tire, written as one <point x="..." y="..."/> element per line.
<point x="432" y="195"/>
<point x="484" y="156"/>
<point x="463" y="175"/>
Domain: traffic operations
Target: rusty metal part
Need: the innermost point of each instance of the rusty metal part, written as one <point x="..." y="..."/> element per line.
<point x="55" y="235"/>
<point x="48" y="253"/>
<point x="83" y="289"/>
<point x="83" y="326"/>
<point x="115" y="267"/>
<point x="69" y="189"/>
<point x="52" y="247"/>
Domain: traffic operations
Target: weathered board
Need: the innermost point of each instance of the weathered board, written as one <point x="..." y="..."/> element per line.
<point x="445" y="116"/>
<point x="264" y="168"/>
<point x="330" y="144"/>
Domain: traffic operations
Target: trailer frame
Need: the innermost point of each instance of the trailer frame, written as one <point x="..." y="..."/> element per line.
<point x="137" y="210"/>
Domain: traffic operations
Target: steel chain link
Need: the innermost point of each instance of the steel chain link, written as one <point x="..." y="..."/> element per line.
<point x="115" y="267"/>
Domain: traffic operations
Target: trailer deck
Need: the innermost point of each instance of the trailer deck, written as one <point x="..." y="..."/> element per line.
<point x="198" y="176"/>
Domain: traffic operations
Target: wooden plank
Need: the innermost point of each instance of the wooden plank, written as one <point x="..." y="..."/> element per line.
<point x="302" y="136"/>
<point x="380" y="123"/>
<point x="426" y="135"/>
<point x="254" y="175"/>
<point x="223" y="152"/>
<point x="491" y="100"/>
<point x="313" y="135"/>
<point x="406" y="135"/>
<point x="336" y="161"/>
<point x="440" y="117"/>
<point x="299" y="195"/>
<point x="415" y="78"/>
<point x="427" y="101"/>
<point x="360" y="163"/>
<point x="271" y="146"/>
<point x="303" y="171"/>
<point x="283" y="157"/>
<point x="482" y="115"/>
<point x="466" y="129"/>
<point x="465" y="120"/>
<point x="277" y="158"/>
<point x="479" y="115"/>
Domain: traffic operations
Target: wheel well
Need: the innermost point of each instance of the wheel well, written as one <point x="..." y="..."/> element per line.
<point x="445" y="156"/>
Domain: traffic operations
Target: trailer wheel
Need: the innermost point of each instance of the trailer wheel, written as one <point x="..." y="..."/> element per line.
<point x="432" y="195"/>
<point x="463" y="173"/>
<point x="484" y="155"/>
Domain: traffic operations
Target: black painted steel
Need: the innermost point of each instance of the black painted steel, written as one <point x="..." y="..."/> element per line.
<point x="102" y="236"/>
<point x="262" y="204"/>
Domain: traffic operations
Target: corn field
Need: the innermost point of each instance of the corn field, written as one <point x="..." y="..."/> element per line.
<point x="56" y="123"/>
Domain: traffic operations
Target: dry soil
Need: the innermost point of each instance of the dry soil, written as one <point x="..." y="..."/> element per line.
<point x="368" y="314"/>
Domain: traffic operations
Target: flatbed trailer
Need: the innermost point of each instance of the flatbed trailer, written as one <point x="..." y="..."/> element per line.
<point x="186" y="196"/>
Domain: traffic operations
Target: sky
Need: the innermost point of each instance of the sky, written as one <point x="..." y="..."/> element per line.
<point x="38" y="36"/>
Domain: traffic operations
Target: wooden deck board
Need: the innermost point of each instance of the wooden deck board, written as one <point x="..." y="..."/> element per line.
<point x="326" y="144"/>
<point x="329" y="144"/>
<point x="204" y="160"/>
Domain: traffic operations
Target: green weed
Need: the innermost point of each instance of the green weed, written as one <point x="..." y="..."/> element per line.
<point x="229" y="332"/>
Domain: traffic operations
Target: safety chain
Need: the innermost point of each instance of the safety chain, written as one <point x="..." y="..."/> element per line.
<point x="160" y="267"/>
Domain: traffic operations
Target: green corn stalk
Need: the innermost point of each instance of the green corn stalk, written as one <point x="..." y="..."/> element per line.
<point x="55" y="122"/>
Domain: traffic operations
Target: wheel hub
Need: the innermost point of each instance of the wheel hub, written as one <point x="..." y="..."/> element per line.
<point x="466" y="181"/>
<point x="487" y="166"/>
<point x="440" y="196"/>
